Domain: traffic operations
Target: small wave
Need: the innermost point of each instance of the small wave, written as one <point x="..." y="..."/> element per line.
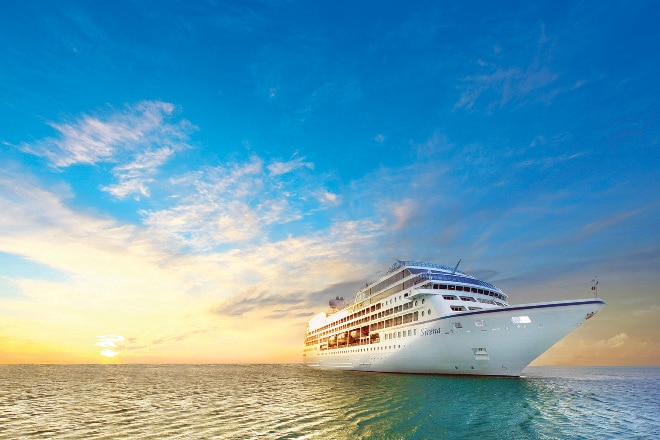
<point x="291" y="401"/>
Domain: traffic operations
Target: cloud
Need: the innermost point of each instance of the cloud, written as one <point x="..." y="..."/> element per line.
<point x="239" y="202"/>
<point x="300" y="304"/>
<point x="134" y="176"/>
<point x="551" y="161"/>
<point x="402" y="212"/>
<point x="279" y="168"/>
<point x="500" y="85"/>
<point x="609" y="222"/>
<point x="326" y="197"/>
<point x="614" y="342"/>
<point x="504" y="85"/>
<point x="179" y="336"/>
<point x="139" y="281"/>
<point x="139" y="138"/>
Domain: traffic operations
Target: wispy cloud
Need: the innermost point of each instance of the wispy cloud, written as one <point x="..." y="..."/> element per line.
<point x="138" y="138"/>
<point x="550" y="161"/>
<point x="499" y="85"/>
<point x="238" y="202"/>
<point x="609" y="221"/>
<point x="134" y="176"/>
<point x="503" y="86"/>
<point x="278" y="168"/>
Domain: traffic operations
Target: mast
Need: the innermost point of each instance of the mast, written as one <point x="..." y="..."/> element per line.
<point x="594" y="286"/>
<point x="456" y="267"/>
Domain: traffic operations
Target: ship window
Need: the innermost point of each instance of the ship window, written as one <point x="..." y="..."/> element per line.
<point x="459" y="288"/>
<point x="422" y="312"/>
<point x="520" y="319"/>
<point x="443" y="286"/>
<point x="422" y="300"/>
<point x="450" y="287"/>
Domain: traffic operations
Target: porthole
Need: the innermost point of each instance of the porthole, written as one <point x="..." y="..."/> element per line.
<point x="429" y="312"/>
<point x="422" y="312"/>
<point x="422" y="301"/>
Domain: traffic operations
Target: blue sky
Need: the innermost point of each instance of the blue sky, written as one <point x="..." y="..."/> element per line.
<point x="173" y="169"/>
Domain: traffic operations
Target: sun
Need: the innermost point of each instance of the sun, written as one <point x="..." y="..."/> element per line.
<point x="108" y="343"/>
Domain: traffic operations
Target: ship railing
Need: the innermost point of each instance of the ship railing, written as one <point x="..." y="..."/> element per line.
<point x="429" y="265"/>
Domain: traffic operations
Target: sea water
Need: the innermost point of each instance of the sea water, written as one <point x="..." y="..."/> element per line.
<point x="293" y="401"/>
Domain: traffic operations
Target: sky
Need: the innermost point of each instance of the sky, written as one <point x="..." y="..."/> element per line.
<point x="190" y="182"/>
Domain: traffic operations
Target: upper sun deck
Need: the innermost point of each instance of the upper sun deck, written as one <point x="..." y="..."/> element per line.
<point x="404" y="274"/>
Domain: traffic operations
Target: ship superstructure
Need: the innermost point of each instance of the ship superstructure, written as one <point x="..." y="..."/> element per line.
<point x="429" y="318"/>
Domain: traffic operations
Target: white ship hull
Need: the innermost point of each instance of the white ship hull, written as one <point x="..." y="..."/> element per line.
<point x="498" y="341"/>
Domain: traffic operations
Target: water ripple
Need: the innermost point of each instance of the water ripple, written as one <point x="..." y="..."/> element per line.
<point x="291" y="401"/>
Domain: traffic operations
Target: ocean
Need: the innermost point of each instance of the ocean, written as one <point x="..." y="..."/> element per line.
<point x="295" y="402"/>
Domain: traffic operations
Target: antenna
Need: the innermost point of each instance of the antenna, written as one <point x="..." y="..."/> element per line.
<point x="594" y="286"/>
<point x="456" y="267"/>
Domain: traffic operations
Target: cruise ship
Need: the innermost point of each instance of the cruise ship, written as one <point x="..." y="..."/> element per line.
<point x="433" y="319"/>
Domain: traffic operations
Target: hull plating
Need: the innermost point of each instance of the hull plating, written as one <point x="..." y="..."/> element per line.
<point x="499" y="342"/>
